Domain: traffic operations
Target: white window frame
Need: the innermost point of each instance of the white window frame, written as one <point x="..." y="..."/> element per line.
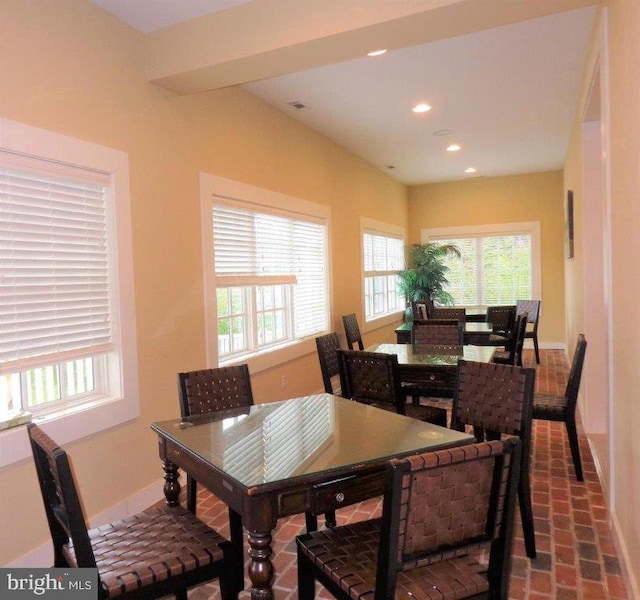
<point x="122" y="402"/>
<point x="531" y="228"/>
<point x="368" y="225"/>
<point x="212" y="186"/>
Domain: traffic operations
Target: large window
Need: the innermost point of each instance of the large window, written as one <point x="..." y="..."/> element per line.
<point x="383" y="257"/>
<point x="62" y="290"/>
<point x="499" y="264"/>
<point x="270" y="274"/>
<point x="56" y="315"/>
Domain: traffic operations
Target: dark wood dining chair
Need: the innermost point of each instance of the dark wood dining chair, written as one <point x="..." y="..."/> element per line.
<point x="512" y="354"/>
<point x="159" y="551"/>
<point x="502" y="319"/>
<point x="532" y="308"/>
<point x="352" y="331"/>
<point x="327" y="347"/>
<point x="210" y="391"/>
<point x="446" y="531"/>
<point x="374" y="378"/>
<point x="446" y="332"/>
<point x="549" y="407"/>
<point x="497" y="400"/>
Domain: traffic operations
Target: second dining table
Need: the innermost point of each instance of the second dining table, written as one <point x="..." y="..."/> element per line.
<point x="474" y="333"/>
<point x="433" y="368"/>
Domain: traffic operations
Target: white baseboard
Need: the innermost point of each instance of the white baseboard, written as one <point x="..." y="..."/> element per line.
<point x="42" y="556"/>
<point x="528" y="343"/>
<point x="630" y="577"/>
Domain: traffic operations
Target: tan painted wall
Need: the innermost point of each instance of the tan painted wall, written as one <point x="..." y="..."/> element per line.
<point x="479" y="201"/>
<point x="68" y="67"/>
<point x="623" y="33"/>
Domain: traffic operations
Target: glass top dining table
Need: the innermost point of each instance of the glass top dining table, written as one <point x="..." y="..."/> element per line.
<point x="474" y="333"/>
<point x="431" y="370"/>
<point x="412" y="355"/>
<point x="305" y="455"/>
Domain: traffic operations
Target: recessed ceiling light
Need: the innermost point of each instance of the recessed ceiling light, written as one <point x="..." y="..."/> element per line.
<point x="470" y="170"/>
<point x="453" y="148"/>
<point x="421" y="108"/>
<point x="377" y="52"/>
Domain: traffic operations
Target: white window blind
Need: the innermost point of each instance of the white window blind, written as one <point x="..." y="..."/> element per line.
<point x="258" y="248"/>
<point x="383" y="254"/>
<point x="493" y="269"/>
<point x="54" y="263"/>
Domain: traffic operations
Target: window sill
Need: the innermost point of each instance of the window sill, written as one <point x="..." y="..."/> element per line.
<point x="68" y="426"/>
<point x="383" y="321"/>
<point x="274" y="358"/>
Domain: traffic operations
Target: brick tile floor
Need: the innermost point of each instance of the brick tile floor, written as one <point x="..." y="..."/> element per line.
<point x="576" y="555"/>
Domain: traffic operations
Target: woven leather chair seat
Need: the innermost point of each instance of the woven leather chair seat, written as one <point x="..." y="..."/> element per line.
<point x="498" y="340"/>
<point x="352" y="331"/>
<point x="350" y="558"/>
<point x="431" y="414"/>
<point x="127" y="561"/>
<point x="549" y="407"/>
<point x="327" y="347"/>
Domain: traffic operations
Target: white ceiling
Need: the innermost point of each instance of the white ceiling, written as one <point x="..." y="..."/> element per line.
<point x="149" y="15"/>
<point x="508" y="94"/>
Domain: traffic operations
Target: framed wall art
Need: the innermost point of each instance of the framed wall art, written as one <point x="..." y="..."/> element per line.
<point x="568" y="226"/>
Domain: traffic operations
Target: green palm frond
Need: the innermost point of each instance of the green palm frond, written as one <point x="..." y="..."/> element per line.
<point x="427" y="274"/>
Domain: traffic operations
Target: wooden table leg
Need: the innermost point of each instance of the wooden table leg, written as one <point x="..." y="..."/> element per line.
<point x="261" y="568"/>
<point x="171" y="484"/>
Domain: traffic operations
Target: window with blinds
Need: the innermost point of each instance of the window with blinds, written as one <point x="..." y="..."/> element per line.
<point x="383" y="257"/>
<point x="55" y="290"/>
<point x="271" y="278"/>
<point x="493" y="269"/>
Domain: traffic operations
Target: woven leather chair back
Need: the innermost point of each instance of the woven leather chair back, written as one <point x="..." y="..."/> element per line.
<point x="494" y="397"/>
<point x="450" y="502"/>
<point x="450" y="349"/>
<point x="212" y="390"/>
<point x="514" y="344"/>
<point x="437" y="331"/>
<point x="520" y="330"/>
<point x="502" y="318"/>
<point x="328" y="346"/>
<point x="371" y="378"/>
<point x="440" y="312"/>
<point x="352" y="331"/>
<point x="531" y="307"/>
<point x="575" y="374"/>
<point x="61" y="501"/>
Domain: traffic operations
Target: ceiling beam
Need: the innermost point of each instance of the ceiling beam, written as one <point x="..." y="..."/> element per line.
<point x="270" y="38"/>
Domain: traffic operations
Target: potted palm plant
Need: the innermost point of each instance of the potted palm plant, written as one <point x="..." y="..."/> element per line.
<point x="426" y="274"/>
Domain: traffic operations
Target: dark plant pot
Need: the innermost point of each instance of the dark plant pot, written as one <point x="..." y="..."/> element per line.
<point x="408" y="314"/>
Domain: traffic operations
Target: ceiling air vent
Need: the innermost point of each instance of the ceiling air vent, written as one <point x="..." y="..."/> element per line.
<point x="297" y="105"/>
